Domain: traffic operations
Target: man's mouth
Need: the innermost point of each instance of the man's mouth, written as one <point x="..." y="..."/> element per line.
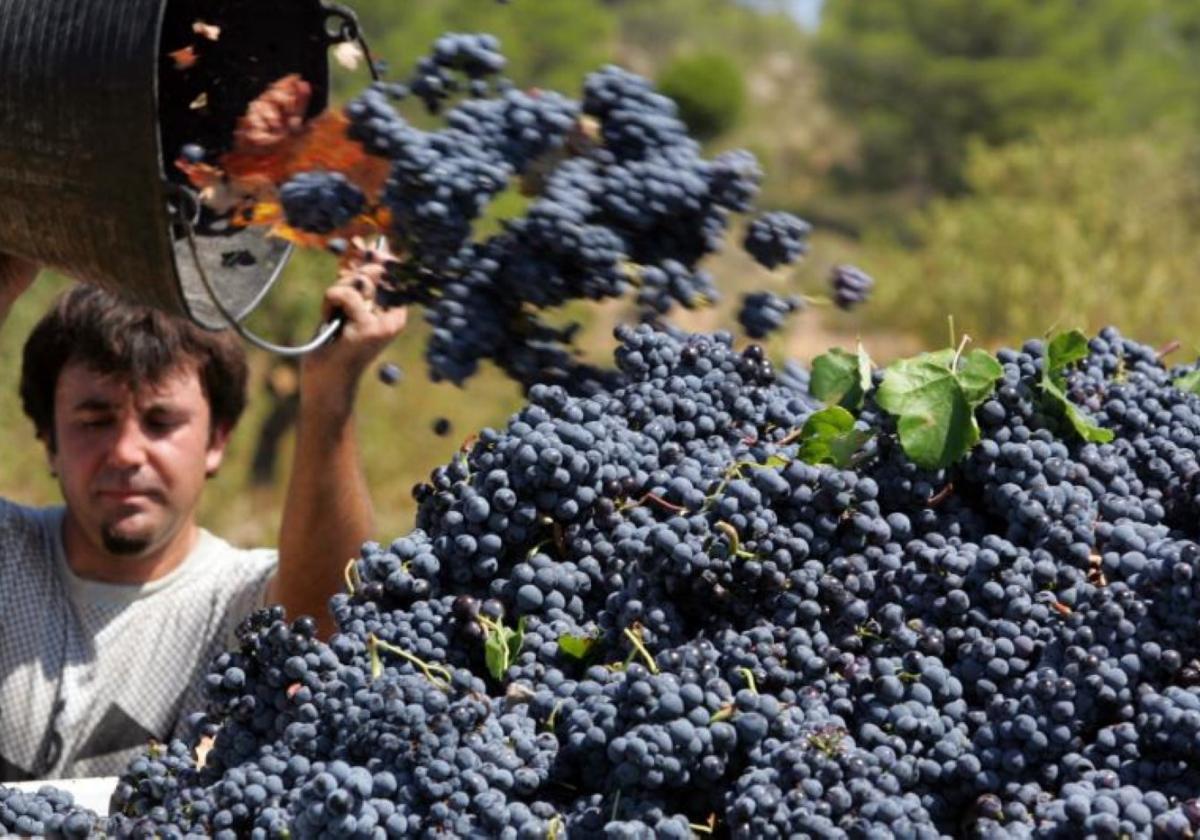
<point x="127" y="495"/>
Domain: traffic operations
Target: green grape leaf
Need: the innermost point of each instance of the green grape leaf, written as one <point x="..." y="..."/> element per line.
<point x="840" y="377"/>
<point x="515" y="639"/>
<point x="502" y="646"/>
<point x="576" y="646"/>
<point x="1189" y="382"/>
<point x="933" y="397"/>
<point x="1063" y="350"/>
<point x="978" y="372"/>
<point x="829" y="437"/>
<point x="495" y="655"/>
<point x="1079" y="421"/>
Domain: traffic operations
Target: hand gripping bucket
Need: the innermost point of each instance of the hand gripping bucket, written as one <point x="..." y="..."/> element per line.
<point x="93" y="112"/>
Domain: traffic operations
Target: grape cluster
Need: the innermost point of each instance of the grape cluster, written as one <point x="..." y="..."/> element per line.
<point x="640" y="612"/>
<point x="777" y="238"/>
<point x="851" y="286"/>
<point x="620" y="198"/>
<point x="762" y="313"/>
<point x="435" y="79"/>
<point x="49" y="812"/>
<point x="320" y="201"/>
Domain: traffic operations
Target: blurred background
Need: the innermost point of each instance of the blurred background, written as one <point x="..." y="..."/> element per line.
<point x="1020" y="165"/>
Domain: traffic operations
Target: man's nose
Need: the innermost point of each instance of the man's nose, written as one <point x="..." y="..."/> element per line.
<point x="129" y="447"/>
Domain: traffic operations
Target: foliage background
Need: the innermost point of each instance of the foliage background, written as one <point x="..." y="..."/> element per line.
<point x="1018" y="164"/>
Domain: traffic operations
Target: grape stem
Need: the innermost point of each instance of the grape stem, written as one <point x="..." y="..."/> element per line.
<point x="791" y="437"/>
<point x="1167" y="349"/>
<point x="723" y="713"/>
<point x="635" y="636"/>
<point x="941" y="495"/>
<point x="436" y="674"/>
<point x="658" y="500"/>
<point x="735" y="543"/>
<point x="351" y="576"/>
<point x="962" y="345"/>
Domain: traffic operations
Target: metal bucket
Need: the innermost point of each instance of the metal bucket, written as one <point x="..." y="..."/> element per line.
<point x="93" y="112"/>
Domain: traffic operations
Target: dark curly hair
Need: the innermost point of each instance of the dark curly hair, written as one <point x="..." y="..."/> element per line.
<point x="135" y="343"/>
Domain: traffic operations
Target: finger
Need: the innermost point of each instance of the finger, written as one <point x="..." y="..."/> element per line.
<point x="344" y="298"/>
<point x="362" y="282"/>
<point x="394" y="320"/>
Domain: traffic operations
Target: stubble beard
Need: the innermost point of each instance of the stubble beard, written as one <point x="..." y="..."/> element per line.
<point x="120" y="545"/>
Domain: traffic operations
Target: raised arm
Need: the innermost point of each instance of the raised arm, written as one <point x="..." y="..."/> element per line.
<point x="16" y="275"/>
<point x="327" y="513"/>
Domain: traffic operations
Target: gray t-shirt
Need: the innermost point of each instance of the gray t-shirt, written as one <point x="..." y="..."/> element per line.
<point x="89" y="671"/>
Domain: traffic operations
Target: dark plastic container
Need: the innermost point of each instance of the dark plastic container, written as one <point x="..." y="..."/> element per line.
<point x="93" y="113"/>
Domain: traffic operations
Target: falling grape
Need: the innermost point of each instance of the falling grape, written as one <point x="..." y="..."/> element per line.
<point x="389" y="373"/>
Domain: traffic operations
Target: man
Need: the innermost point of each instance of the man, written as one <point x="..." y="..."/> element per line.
<point x="112" y="605"/>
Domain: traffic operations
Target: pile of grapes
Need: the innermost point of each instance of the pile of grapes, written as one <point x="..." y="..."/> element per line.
<point x="646" y="612"/>
<point x="692" y="595"/>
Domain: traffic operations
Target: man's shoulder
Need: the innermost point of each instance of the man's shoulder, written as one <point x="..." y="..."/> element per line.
<point x="27" y="531"/>
<point x="15" y="515"/>
<point x="236" y="579"/>
<point x="216" y="557"/>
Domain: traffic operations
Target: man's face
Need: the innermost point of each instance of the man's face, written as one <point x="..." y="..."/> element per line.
<point x="132" y="461"/>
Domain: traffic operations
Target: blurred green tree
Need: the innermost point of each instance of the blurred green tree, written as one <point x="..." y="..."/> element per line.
<point x="921" y="78"/>
<point x="710" y="92"/>
<point x="1059" y="230"/>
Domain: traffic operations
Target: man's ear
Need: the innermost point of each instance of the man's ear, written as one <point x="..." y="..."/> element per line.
<point x="217" y="442"/>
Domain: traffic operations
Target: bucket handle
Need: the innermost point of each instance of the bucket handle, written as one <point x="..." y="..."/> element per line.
<point x="327" y="330"/>
<point x="348" y="30"/>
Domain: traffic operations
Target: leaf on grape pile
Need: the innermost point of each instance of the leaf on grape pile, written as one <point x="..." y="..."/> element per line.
<point x="516" y="639"/>
<point x="1189" y="382"/>
<point x="1064" y="350"/>
<point x="841" y="378"/>
<point x="502" y="646"/>
<point x="495" y="655"/>
<point x="577" y="647"/>
<point x="934" y="397"/>
<point x="829" y="437"/>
